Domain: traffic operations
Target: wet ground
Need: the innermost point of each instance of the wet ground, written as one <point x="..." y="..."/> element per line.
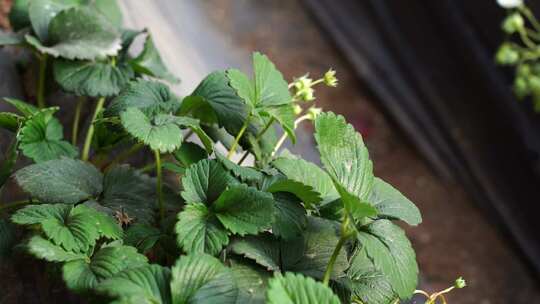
<point x="456" y="239"/>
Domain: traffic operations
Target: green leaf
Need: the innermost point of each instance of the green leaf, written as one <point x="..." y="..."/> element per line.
<point x="18" y="16"/>
<point x="285" y="115"/>
<point x="290" y="216"/>
<point x="151" y="97"/>
<point x="60" y="181"/>
<point x="268" y="88"/>
<point x="46" y="250"/>
<point x="214" y="92"/>
<point x="127" y="190"/>
<point x="145" y="284"/>
<point x="10" y="121"/>
<point x="35" y="214"/>
<point x="83" y="275"/>
<point x="303" y="192"/>
<point x="160" y="134"/>
<point x="346" y="159"/>
<point x="246" y="174"/>
<point x="190" y="153"/>
<point x="317" y="245"/>
<point x="205" y="181"/>
<point x="251" y="283"/>
<point x="193" y="124"/>
<point x="142" y="237"/>
<point x="367" y="283"/>
<point x="41" y="138"/>
<point x="110" y="9"/>
<point x="149" y="62"/>
<point x="203" y="277"/>
<point x="41" y="12"/>
<point x="91" y="78"/>
<point x="79" y="33"/>
<point x="391" y="252"/>
<point x="199" y="231"/>
<point x="308" y="174"/>
<point x="263" y="249"/>
<point x="392" y="204"/>
<point x="25" y="108"/>
<point x="297" y="289"/>
<point x="344" y="154"/>
<point x="244" y="210"/>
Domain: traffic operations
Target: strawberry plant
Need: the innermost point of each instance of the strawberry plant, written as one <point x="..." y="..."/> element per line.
<point x="281" y="230"/>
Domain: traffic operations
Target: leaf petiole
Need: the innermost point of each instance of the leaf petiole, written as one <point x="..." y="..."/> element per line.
<point x="159" y="185"/>
<point x="76" y="120"/>
<point x="345" y="235"/>
<point x="238" y="137"/>
<point x="90" y="132"/>
<point x="283" y="137"/>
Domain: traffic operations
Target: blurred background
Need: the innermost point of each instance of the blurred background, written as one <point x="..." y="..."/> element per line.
<point x="418" y="80"/>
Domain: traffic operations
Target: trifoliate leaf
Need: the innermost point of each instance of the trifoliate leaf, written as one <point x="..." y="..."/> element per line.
<point x="10" y="121"/>
<point x="290" y="216"/>
<point x="25" y="108"/>
<point x="145" y="284"/>
<point x="346" y="159"/>
<point x="205" y="181"/>
<point x="41" y="12"/>
<point x="46" y="250"/>
<point x="268" y="87"/>
<point x="308" y="174"/>
<point x="160" y="134"/>
<point x="60" y="181"/>
<point x="142" y="237"/>
<point x="263" y="249"/>
<point x="244" y="210"/>
<point x="319" y="241"/>
<point x="83" y="275"/>
<point x="199" y="231"/>
<point x="297" y="289"/>
<point x="126" y="190"/>
<point x="303" y="192"/>
<point x="41" y="138"/>
<point x="367" y="283"/>
<point x="392" y="204"/>
<point x="79" y="33"/>
<point x="215" y="93"/>
<point x="189" y="153"/>
<point x="203" y="277"/>
<point x="91" y="78"/>
<point x="149" y="62"/>
<point x="18" y="15"/>
<point x="151" y="97"/>
<point x="391" y="252"/>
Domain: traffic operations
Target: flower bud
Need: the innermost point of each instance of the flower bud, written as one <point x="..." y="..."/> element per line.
<point x="297" y="109"/>
<point x="330" y="78"/>
<point x="521" y="87"/>
<point x="534" y="84"/>
<point x="507" y="55"/>
<point x="303" y="83"/>
<point x="460" y="283"/>
<point x="510" y="3"/>
<point x="513" y="23"/>
<point x="313" y="112"/>
<point x="524" y="70"/>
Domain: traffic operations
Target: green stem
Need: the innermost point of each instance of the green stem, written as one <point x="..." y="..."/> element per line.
<point x="237" y="139"/>
<point x="41" y="81"/>
<point x="259" y="136"/>
<point x="125" y="155"/>
<point x="90" y="132"/>
<point x="76" y="120"/>
<point x="330" y="266"/>
<point x="148" y="168"/>
<point x="159" y="184"/>
<point x="14" y="204"/>
<point x="530" y="16"/>
<point x="283" y="137"/>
